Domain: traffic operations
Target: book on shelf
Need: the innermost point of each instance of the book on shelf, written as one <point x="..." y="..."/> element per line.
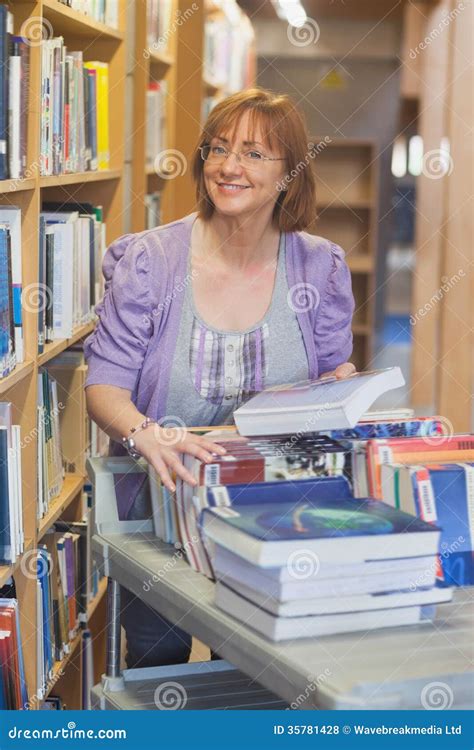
<point x="10" y="236"/>
<point x="315" y="405"/>
<point x="14" y="695"/>
<point x="156" y="133"/>
<point x="103" y="11"/>
<point x="50" y="462"/>
<point x="74" y="111"/>
<point x="442" y="494"/>
<point x="11" y="503"/>
<point x="158" y="20"/>
<point x="72" y="247"/>
<point x="153" y="210"/>
<point x="14" y="99"/>
<point x="229" y="49"/>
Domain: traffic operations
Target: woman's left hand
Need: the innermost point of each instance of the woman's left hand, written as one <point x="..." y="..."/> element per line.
<point x="341" y="371"/>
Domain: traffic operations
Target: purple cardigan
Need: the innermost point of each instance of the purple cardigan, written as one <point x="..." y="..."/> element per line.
<point x="132" y="345"/>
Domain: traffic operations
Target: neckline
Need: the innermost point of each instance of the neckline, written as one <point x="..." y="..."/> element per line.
<point x="255" y="326"/>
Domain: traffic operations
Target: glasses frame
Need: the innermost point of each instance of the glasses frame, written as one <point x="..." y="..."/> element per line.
<point x="238" y="154"/>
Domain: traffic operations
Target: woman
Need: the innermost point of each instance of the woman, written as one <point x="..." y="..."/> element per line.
<point x="203" y="312"/>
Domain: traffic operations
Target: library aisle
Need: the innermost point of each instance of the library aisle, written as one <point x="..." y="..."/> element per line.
<point x="203" y="206"/>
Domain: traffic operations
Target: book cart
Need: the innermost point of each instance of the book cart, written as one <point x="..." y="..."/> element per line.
<point x="393" y="668"/>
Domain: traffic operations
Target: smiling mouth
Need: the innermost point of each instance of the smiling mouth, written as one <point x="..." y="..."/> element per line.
<point x="231" y="187"/>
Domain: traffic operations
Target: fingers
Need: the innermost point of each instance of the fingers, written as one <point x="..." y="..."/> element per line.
<point x="209" y="445"/>
<point x="178" y="467"/>
<point x="345" y="370"/>
<point x="163" y="473"/>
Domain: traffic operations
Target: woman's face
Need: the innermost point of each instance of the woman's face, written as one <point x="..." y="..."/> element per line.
<point x="237" y="188"/>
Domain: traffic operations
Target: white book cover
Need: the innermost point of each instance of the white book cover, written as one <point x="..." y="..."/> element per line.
<point x="16" y="435"/>
<point x="6" y="424"/>
<point x="14" y="116"/>
<point x="41" y="676"/>
<point x="315" y="405"/>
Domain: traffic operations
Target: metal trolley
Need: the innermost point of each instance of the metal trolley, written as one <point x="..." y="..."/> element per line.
<point x="390" y="668"/>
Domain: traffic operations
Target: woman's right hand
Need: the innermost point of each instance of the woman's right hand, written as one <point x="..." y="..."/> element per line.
<point x="161" y="447"/>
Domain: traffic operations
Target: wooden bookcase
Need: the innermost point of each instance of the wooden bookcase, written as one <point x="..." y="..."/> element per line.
<point x="182" y="66"/>
<point x="345" y="171"/>
<point x="20" y="387"/>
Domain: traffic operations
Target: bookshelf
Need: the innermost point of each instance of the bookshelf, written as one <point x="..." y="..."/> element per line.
<point x="346" y="177"/>
<point x="97" y="41"/>
<point x="182" y="65"/>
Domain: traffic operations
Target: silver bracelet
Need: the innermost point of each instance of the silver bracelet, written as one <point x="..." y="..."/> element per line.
<point x="128" y="441"/>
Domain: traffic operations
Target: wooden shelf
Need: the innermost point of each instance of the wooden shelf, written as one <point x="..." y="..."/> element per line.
<point x="352" y="204"/>
<point x="361" y="329"/>
<point x="15" y="186"/>
<point x="360" y="263"/>
<point x="73" y="483"/>
<point x="6" y="571"/>
<point x="56" y="347"/>
<point x="160" y="59"/>
<point x="21" y="371"/>
<point x="79" y="178"/>
<point x="60" y="666"/>
<point x="66" y="21"/>
<point x="212" y="87"/>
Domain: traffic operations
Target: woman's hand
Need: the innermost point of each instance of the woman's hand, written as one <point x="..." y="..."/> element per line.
<point x="341" y="371"/>
<point x="161" y="447"/>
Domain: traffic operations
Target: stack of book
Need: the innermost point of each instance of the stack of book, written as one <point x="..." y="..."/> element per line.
<point x="264" y="459"/>
<point x="72" y="246"/>
<point x="13" y="688"/>
<point x="74" y="111"/>
<point x="12" y="537"/>
<point x="155" y="141"/>
<point x="11" y="319"/>
<point x="322" y="566"/>
<point x="14" y="95"/>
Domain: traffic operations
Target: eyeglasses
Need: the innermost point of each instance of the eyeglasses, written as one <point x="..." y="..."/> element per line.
<point x="250" y="158"/>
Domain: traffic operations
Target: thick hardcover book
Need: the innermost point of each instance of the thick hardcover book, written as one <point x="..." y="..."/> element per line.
<point x="284" y="628"/>
<point x="315" y="405"/>
<point x="346" y="530"/>
<point x="442" y="494"/>
<point x="442" y="448"/>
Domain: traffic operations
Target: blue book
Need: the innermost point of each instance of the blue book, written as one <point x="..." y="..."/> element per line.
<point x="321" y="488"/>
<point x="453" y="492"/>
<point x="339" y="531"/>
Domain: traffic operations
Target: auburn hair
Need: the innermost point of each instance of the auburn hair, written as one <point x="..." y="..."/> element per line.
<point x="283" y="129"/>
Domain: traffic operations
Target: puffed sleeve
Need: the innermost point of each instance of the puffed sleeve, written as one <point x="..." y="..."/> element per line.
<point x="333" y="334"/>
<point x="115" y="350"/>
